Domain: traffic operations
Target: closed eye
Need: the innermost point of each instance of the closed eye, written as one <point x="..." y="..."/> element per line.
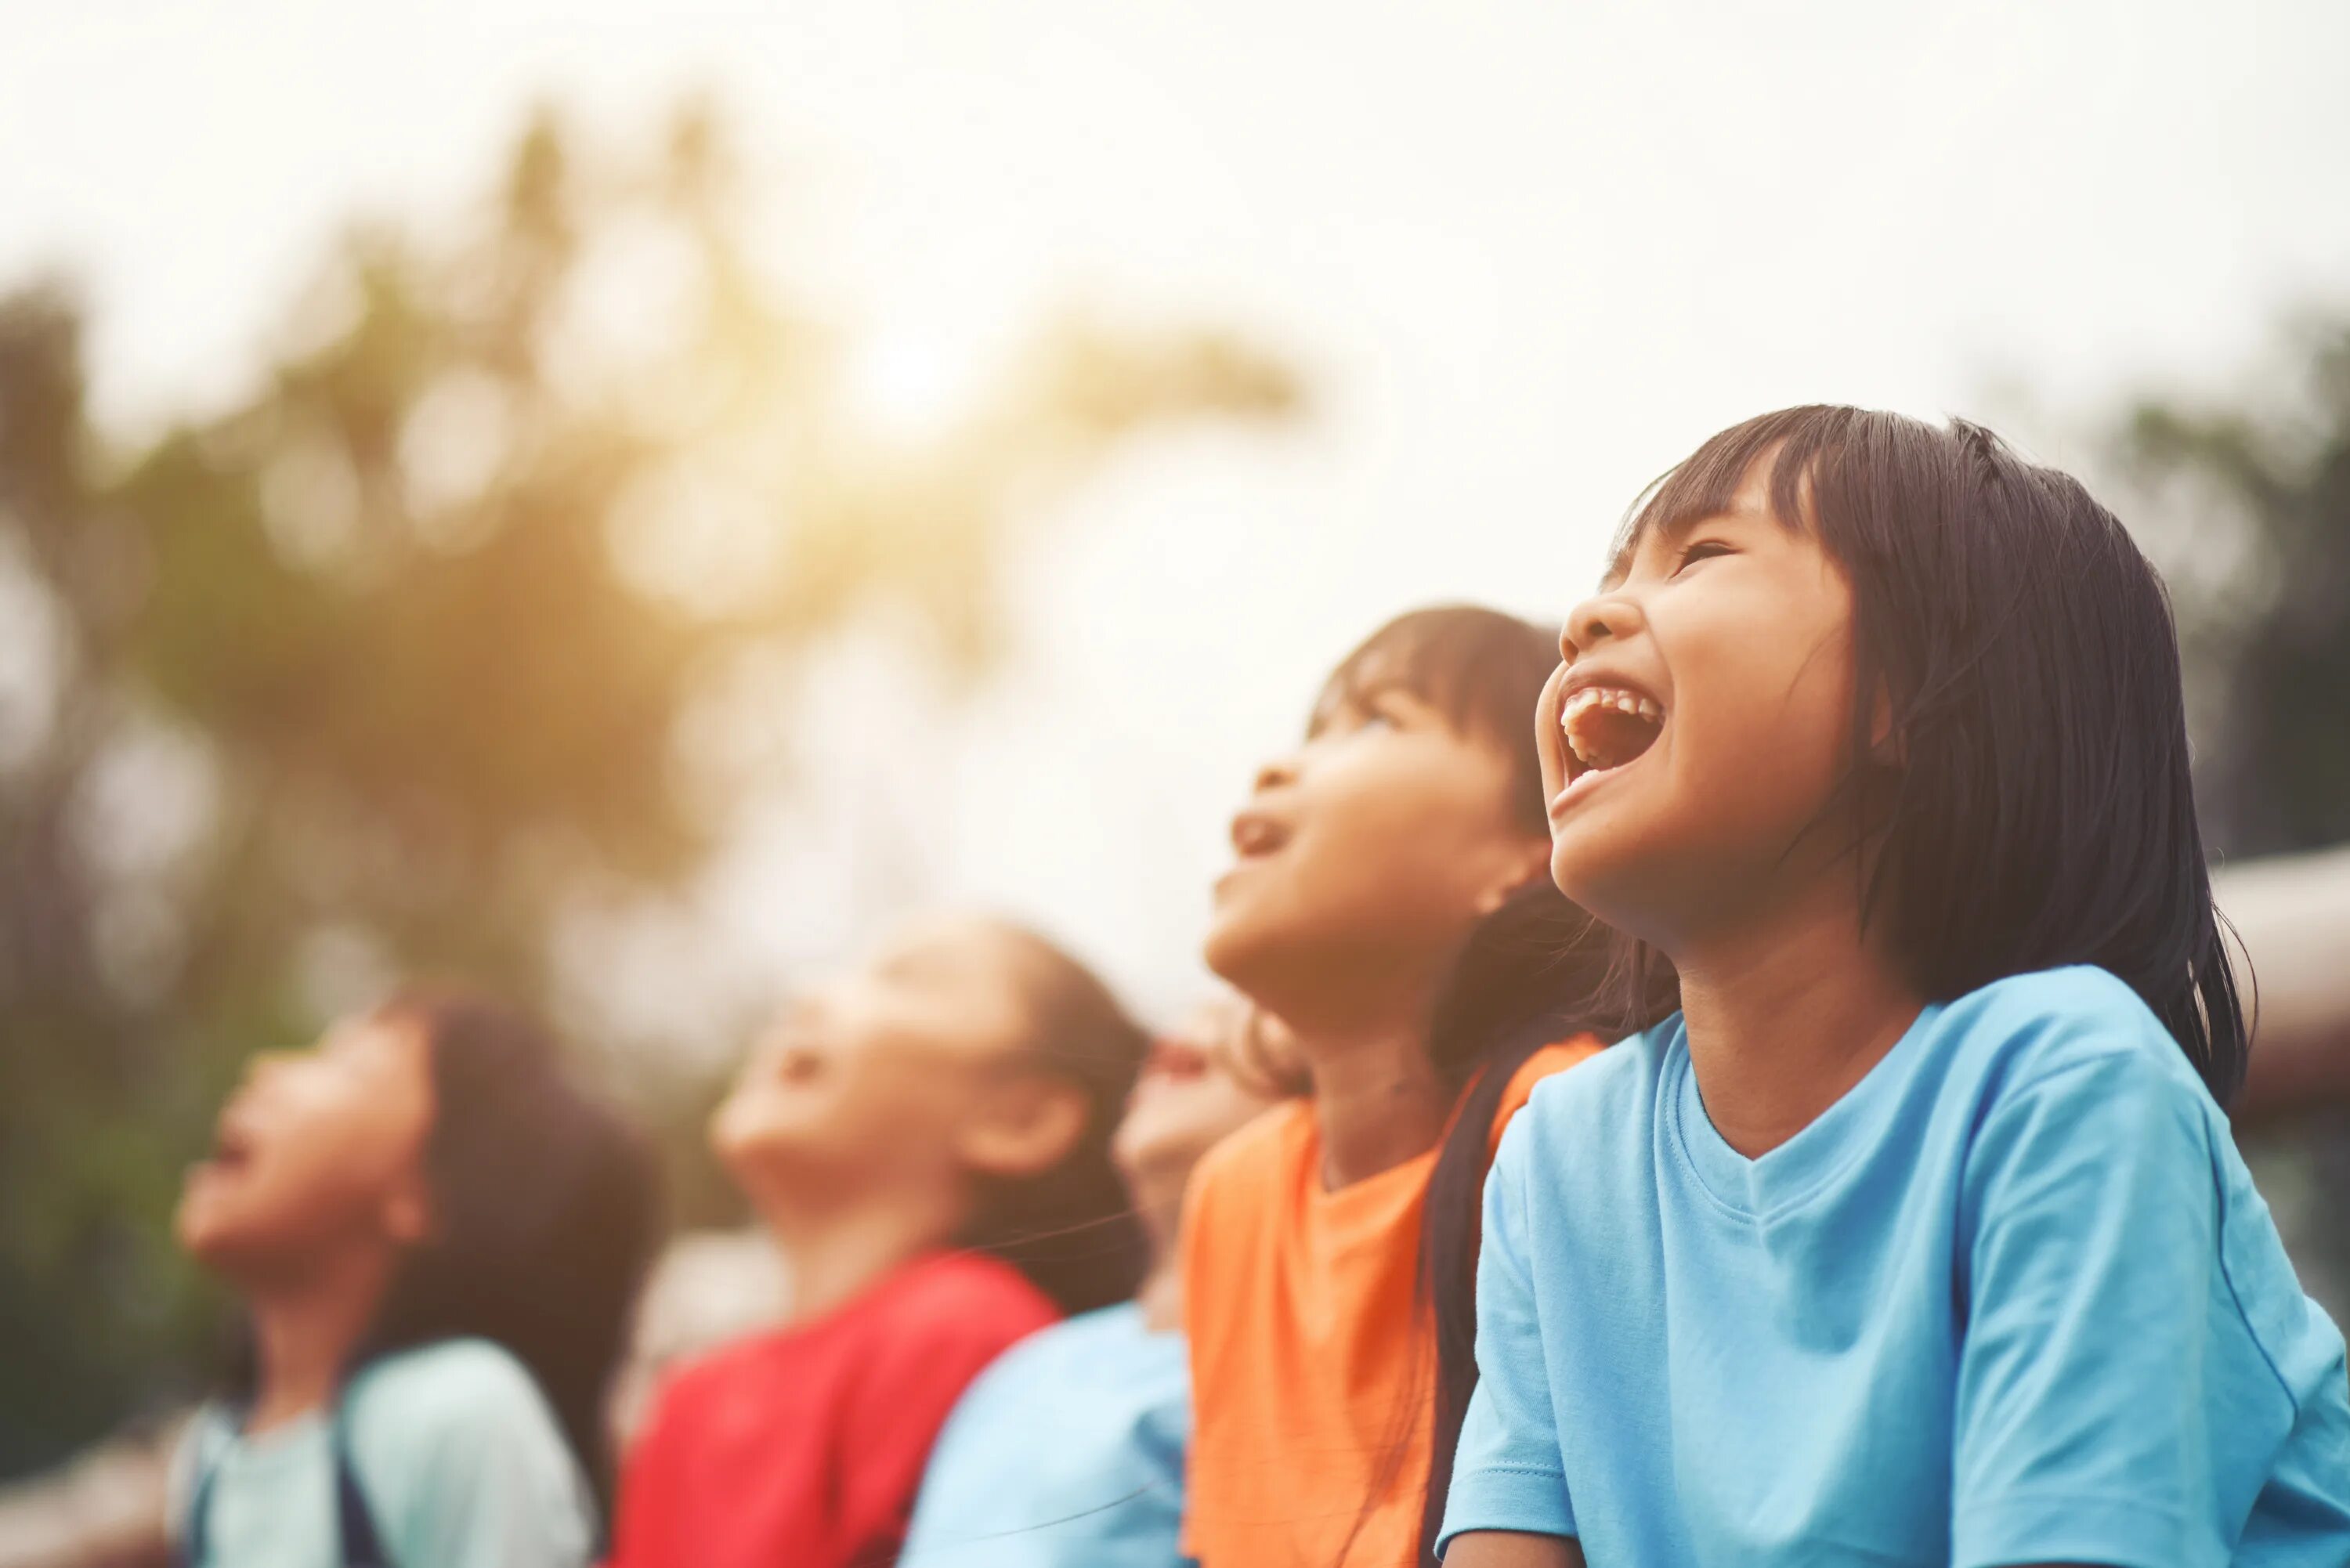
<point x="1702" y="550"/>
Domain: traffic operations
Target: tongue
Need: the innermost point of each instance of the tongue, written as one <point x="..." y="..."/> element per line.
<point x="1610" y="737"/>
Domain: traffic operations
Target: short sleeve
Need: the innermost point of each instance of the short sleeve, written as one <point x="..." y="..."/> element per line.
<point x="2087" y="1405"/>
<point x="1506" y="1474"/>
<point x="476" y="1469"/>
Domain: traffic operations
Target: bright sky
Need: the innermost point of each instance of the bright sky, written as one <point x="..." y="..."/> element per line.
<point x="1532" y="251"/>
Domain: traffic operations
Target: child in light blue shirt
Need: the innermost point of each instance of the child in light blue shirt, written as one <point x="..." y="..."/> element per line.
<point x="1069" y="1449"/>
<point x="464" y="1467"/>
<point x="2012" y="1299"/>
<point x="1068" y="1452"/>
<point x="436" y="1236"/>
<point x="1916" y="1235"/>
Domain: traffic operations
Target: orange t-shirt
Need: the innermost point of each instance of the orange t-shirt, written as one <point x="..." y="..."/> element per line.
<point x="1312" y="1363"/>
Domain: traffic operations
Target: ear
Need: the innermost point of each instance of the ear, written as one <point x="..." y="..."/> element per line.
<point x="407" y="1213"/>
<point x="1885" y="745"/>
<point x="1522" y="863"/>
<point x="1023" y="1126"/>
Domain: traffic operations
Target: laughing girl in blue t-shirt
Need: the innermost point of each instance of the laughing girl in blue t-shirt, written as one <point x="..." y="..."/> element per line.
<point x="1917" y="1236"/>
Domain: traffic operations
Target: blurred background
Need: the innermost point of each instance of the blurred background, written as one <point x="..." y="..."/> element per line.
<point x="619" y="502"/>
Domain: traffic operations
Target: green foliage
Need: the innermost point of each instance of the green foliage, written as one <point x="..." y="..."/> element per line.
<point x="406" y="641"/>
<point x="2258" y="503"/>
<point x="2251" y="509"/>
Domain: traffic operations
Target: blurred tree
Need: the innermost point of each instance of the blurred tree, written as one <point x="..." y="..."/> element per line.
<point x="383" y="668"/>
<point x="2250" y="509"/>
<point x="2261" y="577"/>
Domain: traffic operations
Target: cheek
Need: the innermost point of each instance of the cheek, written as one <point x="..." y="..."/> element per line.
<point x="1750" y="761"/>
<point x="1415" y="843"/>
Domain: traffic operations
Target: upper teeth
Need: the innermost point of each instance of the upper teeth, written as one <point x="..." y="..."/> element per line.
<point x="1591" y="697"/>
<point x="1606" y="696"/>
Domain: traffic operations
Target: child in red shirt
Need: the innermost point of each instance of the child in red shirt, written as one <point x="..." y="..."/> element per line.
<point x="928" y="1140"/>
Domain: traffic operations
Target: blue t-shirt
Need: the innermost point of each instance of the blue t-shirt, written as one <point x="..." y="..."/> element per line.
<point x="454" y="1452"/>
<point x="2010" y="1300"/>
<point x="1066" y="1453"/>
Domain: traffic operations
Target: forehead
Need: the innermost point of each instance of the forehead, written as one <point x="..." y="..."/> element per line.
<point x="374" y="1039"/>
<point x="968" y="962"/>
<point x="944" y="946"/>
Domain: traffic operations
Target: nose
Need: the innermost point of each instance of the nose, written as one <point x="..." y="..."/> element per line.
<point x="1611" y="614"/>
<point x="264" y="1064"/>
<point x="1279" y="774"/>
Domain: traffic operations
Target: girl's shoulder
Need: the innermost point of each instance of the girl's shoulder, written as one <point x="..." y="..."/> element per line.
<point x="474" y="1386"/>
<point x="955" y="1291"/>
<point x="2026" y="1030"/>
<point x="1276" y="1140"/>
<point x="1604" y="1080"/>
<point x="929" y="1330"/>
<point x="448" y="1437"/>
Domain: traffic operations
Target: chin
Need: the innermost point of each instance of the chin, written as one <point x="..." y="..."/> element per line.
<point x="1229" y="946"/>
<point x="1602" y="880"/>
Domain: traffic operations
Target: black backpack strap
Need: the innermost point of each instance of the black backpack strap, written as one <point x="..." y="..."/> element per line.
<point x="357" y="1542"/>
<point x="188" y="1550"/>
<point x="354" y="1525"/>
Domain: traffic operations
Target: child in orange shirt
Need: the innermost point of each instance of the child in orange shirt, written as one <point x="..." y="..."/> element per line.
<point x="1391" y="905"/>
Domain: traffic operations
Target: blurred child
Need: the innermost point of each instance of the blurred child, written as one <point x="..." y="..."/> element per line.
<point x="1918" y="1236"/>
<point x="436" y="1237"/>
<point x="1389" y="905"/>
<point x="928" y="1140"/>
<point x="1068" y="1452"/>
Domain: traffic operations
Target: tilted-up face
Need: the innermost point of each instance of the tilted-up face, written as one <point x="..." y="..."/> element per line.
<point x="317" y="1149"/>
<point x="1369" y="851"/>
<point x="1222" y="1067"/>
<point x="877" y="1071"/>
<point x="1695" y="733"/>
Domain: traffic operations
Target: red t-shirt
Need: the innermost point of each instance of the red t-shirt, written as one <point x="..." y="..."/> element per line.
<point x="804" y="1445"/>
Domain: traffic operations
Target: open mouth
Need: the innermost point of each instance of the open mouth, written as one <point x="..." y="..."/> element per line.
<point x="798" y="1066"/>
<point x="232" y="1150"/>
<point x="1256" y="834"/>
<point x="1178" y="1061"/>
<point x="1608" y="727"/>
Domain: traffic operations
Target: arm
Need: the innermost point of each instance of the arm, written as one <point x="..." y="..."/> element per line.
<point x="1505" y="1549"/>
<point x="1508" y="1488"/>
<point x="2090" y="1236"/>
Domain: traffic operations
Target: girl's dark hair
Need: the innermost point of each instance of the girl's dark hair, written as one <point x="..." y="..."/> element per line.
<point x="1071" y="1228"/>
<point x="1530" y="974"/>
<point x="547" y="1208"/>
<point x="2019" y="794"/>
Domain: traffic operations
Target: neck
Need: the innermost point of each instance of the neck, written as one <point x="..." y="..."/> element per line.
<point x="305" y="1331"/>
<point x="1378" y="1099"/>
<point x="1784" y="1024"/>
<point x="836" y="1253"/>
<point x="1158" y="1205"/>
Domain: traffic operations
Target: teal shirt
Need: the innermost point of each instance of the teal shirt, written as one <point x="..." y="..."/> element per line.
<point x="2012" y="1299"/>
<point x="459" y="1457"/>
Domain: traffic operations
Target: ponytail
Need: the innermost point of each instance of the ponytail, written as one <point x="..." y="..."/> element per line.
<point x="1536" y="971"/>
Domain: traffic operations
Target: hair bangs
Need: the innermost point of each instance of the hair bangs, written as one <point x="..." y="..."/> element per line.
<point x="1802" y="446"/>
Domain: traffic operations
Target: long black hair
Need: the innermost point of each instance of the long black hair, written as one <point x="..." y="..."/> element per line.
<point x="545" y="1209"/>
<point x="1071" y="1228"/>
<point x="1531" y="973"/>
<point x="2019" y="796"/>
